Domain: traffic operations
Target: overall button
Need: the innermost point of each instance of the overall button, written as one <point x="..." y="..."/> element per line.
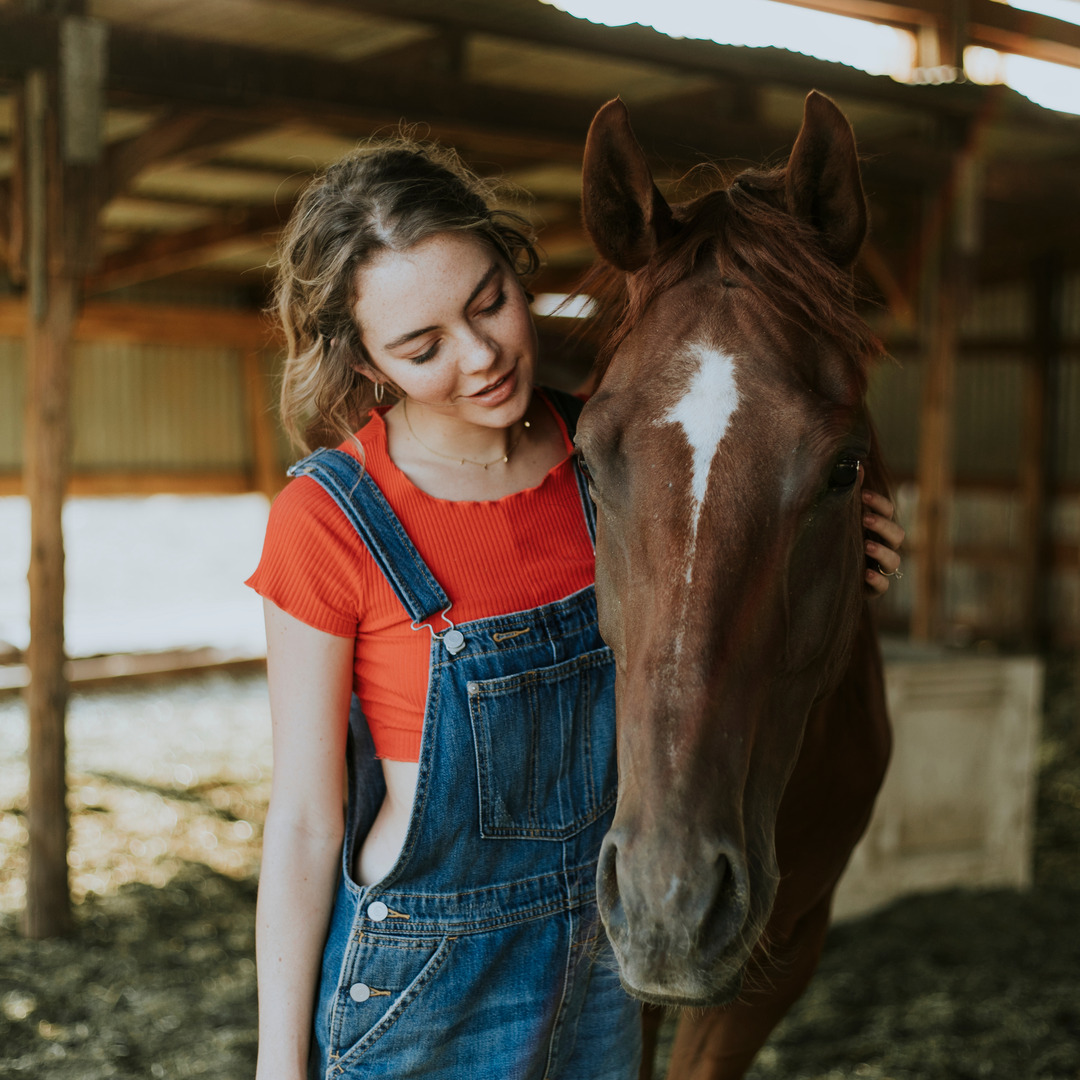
<point x="454" y="640"/>
<point x="472" y="688"/>
<point x="377" y="911"/>
<point x="359" y="991"/>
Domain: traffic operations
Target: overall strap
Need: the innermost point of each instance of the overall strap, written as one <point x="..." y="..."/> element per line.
<point x="366" y="509"/>
<point x="569" y="408"/>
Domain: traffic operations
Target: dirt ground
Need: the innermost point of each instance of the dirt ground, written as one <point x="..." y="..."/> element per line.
<point x="169" y="787"/>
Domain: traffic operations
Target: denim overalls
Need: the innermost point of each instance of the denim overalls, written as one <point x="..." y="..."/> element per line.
<point x="481" y="953"/>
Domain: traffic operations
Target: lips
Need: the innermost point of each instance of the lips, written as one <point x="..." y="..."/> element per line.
<point x="495" y="393"/>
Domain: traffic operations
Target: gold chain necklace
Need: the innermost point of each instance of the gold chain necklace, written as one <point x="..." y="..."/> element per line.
<point x="453" y="457"/>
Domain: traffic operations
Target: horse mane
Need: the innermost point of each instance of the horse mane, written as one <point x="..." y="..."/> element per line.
<point x="759" y="246"/>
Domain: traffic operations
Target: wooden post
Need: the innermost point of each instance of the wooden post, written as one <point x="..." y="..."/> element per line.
<point x="935" y="461"/>
<point x="953" y="236"/>
<point x="62" y="144"/>
<point x="51" y="317"/>
<point x="266" y="474"/>
<point x="1038" y="444"/>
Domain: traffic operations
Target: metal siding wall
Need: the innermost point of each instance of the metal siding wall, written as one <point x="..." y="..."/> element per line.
<point x="12" y="397"/>
<point x="893" y="396"/>
<point x="989" y="391"/>
<point x="1000" y="311"/>
<point x="1067" y="452"/>
<point x="139" y="407"/>
<point x="1071" y="308"/>
<point x="158" y="407"/>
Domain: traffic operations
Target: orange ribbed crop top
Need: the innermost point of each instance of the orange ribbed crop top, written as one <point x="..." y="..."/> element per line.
<point x="491" y="558"/>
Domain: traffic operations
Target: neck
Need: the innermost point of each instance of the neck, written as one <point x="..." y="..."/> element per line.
<point x="450" y="439"/>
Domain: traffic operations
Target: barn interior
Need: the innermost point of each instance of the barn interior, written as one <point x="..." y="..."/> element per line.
<point x="150" y="153"/>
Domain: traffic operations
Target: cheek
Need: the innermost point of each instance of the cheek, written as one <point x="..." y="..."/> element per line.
<point x="429" y="382"/>
<point x="519" y="329"/>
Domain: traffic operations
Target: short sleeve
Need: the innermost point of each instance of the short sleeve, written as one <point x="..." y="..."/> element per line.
<point x="313" y="563"/>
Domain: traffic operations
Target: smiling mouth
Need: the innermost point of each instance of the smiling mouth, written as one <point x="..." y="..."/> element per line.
<point x="493" y="386"/>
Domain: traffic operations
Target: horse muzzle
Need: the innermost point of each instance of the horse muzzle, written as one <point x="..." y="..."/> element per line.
<point x="680" y="930"/>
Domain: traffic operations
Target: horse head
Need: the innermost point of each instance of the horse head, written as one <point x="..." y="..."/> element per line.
<point x="726" y="445"/>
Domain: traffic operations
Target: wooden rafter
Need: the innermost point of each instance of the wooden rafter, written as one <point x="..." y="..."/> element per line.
<point x="988" y="23"/>
<point x="174" y="252"/>
<point x="195" y="72"/>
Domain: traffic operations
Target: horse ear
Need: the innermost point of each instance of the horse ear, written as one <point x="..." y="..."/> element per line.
<point x="824" y="187"/>
<point x="624" y="213"/>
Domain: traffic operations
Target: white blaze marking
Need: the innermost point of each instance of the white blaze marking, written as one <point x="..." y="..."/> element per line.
<point x="703" y="412"/>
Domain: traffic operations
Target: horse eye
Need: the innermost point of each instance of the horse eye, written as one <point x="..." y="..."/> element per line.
<point x="844" y="473"/>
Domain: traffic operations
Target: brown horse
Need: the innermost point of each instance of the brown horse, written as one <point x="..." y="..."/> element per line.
<point x="727" y="443"/>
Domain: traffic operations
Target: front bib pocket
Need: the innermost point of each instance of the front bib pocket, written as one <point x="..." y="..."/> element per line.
<point x="545" y="748"/>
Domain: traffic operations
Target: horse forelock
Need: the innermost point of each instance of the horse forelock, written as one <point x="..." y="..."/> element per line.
<point x="764" y="249"/>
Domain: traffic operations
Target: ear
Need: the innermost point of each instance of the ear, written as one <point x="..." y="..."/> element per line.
<point x="625" y="214"/>
<point x="824" y="188"/>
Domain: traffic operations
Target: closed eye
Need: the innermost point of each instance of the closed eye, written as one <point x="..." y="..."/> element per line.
<point x="427" y="354"/>
<point x="495" y="305"/>
<point x="583" y="465"/>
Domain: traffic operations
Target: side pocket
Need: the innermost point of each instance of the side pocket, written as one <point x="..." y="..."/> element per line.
<point x="545" y="753"/>
<point x="386" y="977"/>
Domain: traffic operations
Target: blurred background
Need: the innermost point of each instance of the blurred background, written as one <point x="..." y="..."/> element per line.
<point x="149" y="153"/>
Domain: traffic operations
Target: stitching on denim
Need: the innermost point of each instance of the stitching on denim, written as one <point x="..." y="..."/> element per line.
<point x="553" y="877"/>
<point x="476" y="654"/>
<point x="560" y="1012"/>
<point x="547" y="673"/>
<point x="401" y="1002"/>
<point x="384" y="942"/>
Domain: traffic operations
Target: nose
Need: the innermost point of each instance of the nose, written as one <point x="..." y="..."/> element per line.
<point x="478" y="353"/>
<point x="667" y="918"/>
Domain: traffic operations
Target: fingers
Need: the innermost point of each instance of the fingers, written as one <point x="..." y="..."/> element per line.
<point x="883" y="549"/>
<point x="878" y="504"/>
<point x="877" y="583"/>
<point x="889" y="532"/>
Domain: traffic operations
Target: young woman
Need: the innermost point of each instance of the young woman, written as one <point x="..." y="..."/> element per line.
<point x="437" y="572"/>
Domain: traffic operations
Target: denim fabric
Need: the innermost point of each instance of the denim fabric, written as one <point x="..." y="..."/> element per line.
<point x="481" y="953"/>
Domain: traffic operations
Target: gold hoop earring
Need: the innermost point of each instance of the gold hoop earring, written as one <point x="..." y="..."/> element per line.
<point x="379" y="391"/>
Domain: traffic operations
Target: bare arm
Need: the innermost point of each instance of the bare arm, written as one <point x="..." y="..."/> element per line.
<point x="310" y="678"/>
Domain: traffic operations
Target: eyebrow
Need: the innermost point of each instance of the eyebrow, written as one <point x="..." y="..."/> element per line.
<point x="492" y="270"/>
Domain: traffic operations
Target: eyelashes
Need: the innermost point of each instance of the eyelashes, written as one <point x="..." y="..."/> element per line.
<point x="495" y="306"/>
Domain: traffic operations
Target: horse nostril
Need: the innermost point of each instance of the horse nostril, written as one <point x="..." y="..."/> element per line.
<point x="607" y="890"/>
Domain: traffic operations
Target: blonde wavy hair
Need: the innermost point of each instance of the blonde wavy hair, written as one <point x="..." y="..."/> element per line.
<point x="387" y="195"/>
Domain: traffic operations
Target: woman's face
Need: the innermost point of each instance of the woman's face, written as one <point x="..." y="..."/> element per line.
<point x="448" y="322"/>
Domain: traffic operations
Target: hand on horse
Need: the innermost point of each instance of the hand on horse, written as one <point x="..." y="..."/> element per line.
<point x="884" y="550"/>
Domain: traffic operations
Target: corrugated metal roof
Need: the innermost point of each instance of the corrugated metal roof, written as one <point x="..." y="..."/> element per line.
<point x="328" y="32"/>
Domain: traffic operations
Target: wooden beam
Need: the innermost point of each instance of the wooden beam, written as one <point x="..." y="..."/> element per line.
<point x="1028" y="33"/>
<point x="169" y="135"/>
<point x="267" y="474"/>
<point x="148" y="482"/>
<point x="171" y="253"/>
<point x="153" y="324"/>
<point x="212" y="74"/>
<point x="988" y="23"/>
